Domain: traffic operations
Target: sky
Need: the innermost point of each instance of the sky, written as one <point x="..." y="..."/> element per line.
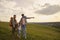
<point x="41" y="10"/>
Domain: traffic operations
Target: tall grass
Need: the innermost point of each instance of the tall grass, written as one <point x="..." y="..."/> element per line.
<point x="34" y="32"/>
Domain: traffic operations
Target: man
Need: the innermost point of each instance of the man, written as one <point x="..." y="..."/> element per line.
<point x="13" y="24"/>
<point x="23" y="22"/>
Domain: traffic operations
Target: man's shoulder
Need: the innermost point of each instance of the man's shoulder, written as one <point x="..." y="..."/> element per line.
<point x="24" y="17"/>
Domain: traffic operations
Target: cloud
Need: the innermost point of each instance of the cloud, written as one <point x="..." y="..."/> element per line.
<point x="49" y="10"/>
<point x="7" y="9"/>
<point x="23" y="3"/>
<point x="45" y="5"/>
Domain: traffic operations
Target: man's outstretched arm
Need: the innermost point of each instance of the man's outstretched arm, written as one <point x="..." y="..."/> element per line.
<point x="29" y="17"/>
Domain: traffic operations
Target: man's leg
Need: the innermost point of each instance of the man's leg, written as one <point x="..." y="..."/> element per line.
<point x="24" y="31"/>
<point x="13" y="30"/>
<point x="13" y="33"/>
<point x="24" y="34"/>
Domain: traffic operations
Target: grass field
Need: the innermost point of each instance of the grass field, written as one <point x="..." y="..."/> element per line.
<point x="34" y="32"/>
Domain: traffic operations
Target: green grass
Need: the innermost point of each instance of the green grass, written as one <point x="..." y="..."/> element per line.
<point x="34" y="32"/>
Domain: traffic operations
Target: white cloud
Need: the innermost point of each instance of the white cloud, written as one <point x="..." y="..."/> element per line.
<point x="11" y="7"/>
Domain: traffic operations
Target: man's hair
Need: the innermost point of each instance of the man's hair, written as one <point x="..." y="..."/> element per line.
<point x="14" y="15"/>
<point x="22" y="14"/>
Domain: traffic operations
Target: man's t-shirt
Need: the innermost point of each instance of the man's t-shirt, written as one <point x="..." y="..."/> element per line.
<point x="23" y="20"/>
<point x="14" y="22"/>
